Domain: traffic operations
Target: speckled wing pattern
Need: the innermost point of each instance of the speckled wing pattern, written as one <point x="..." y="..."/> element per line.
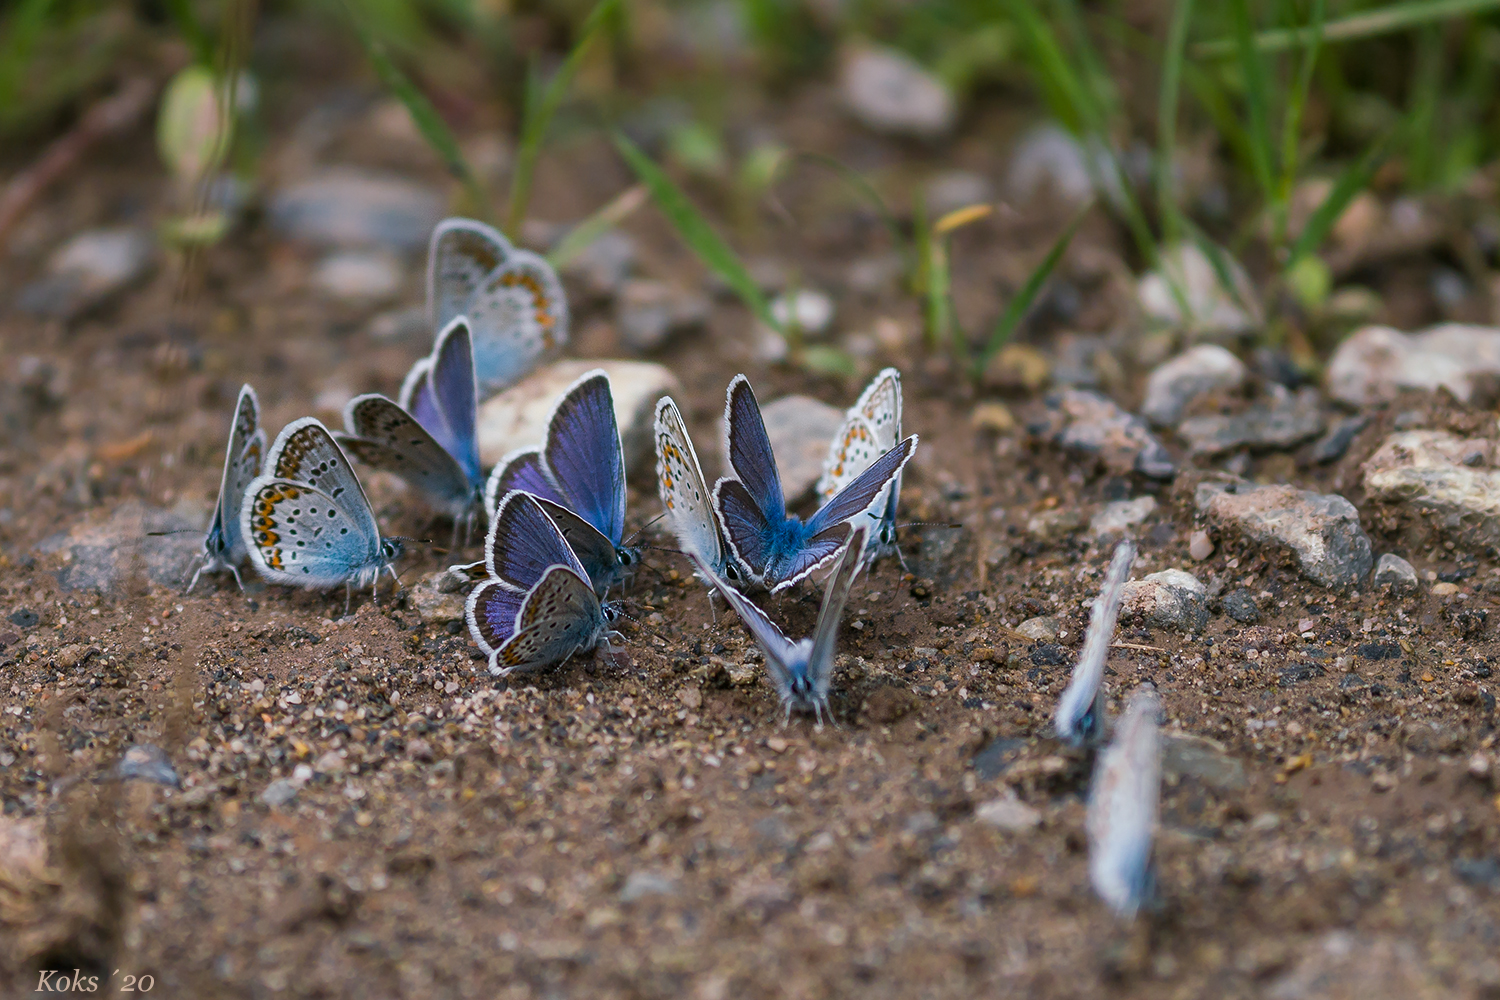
<point x="523" y="541"/>
<point x="1123" y="804"/>
<point x="560" y="616"/>
<point x="684" y="492"/>
<point x="224" y="544"/>
<point x="384" y="436"/>
<point x="513" y="300"/>
<point x="872" y="426"/>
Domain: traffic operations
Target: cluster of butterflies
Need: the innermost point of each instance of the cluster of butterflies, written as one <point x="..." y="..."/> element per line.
<point x="555" y="545"/>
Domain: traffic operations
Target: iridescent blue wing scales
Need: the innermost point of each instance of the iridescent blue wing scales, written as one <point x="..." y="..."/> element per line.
<point x="523" y="541"/>
<point x="560" y="616"/>
<point x="584" y="454"/>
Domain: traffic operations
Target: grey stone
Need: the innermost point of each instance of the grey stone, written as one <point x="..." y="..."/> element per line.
<point x="1040" y="629"/>
<point x="1344" y="965"/>
<point x="1213" y="310"/>
<point x="1049" y="525"/>
<point x="345" y="207"/>
<point x="1321" y="530"/>
<point x="603" y="266"/>
<point x="1289" y="420"/>
<point x="1122" y="515"/>
<point x="639" y="885"/>
<point x="1008" y="813"/>
<point x="1448" y="480"/>
<point x="146" y="762"/>
<point x="1240" y="605"/>
<point x="1396" y="573"/>
<point x="432" y="603"/>
<point x="874" y="275"/>
<point x="1049" y="160"/>
<point x="1375" y="363"/>
<point x="955" y="189"/>
<point x="888" y="92"/>
<point x="360" y="276"/>
<point x="1171" y="599"/>
<point x="1204" y="760"/>
<point x="800" y="428"/>
<point x="1090" y="424"/>
<point x="648" y="312"/>
<point x="810" y="310"/>
<point x="1197" y="371"/>
<point x="279" y="792"/>
<point x="1332" y="445"/>
<point x="517" y="417"/>
<point x="103" y="556"/>
<point x="87" y="271"/>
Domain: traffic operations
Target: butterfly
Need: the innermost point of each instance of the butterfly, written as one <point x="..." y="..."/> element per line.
<point x="871" y="428"/>
<point x="775" y="549"/>
<point x="1122" y="808"/>
<point x="512" y="298"/>
<point x="801" y="670"/>
<point x="428" y="438"/>
<point x="307" y="519"/>
<point x="685" y="495"/>
<point x="578" y="475"/>
<point x="537" y="607"/>
<point x="224" y="545"/>
<point x="1079" y="716"/>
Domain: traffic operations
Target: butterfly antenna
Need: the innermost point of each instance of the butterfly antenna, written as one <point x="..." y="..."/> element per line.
<point x="643" y="527"/>
<point x="931" y="524"/>
<point x="174" y="531"/>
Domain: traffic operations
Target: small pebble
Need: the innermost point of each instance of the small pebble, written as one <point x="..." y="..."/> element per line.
<point x="1200" y="546"/>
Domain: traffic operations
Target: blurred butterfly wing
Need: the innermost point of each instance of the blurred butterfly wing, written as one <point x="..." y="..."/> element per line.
<point x="242" y="463"/>
<point x="584" y="454"/>
<point x="559" y="617"/>
<point x="306" y="452"/>
<point x="384" y="436"/>
<point x="521" y="470"/>
<point x="835" y="596"/>
<point x="853" y="450"/>
<point x="418" y="399"/>
<point x="1122" y="809"/>
<point x="748" y="450"/>
<point x="684" y="492"/>
<point x="1077" y="718"/>
<point x="860" y="494"/>
<point x="811" y="556"/>
<point x="299" y="534"/>
<point x="595" y="552"/>
<point x="780" y="651"/>
<point x="460" y="256"/>
<point x="745" y="527"/>
<point x="523" y="541"/>
<point x="880" y="405"/>
<point x="457" y="395"/>
<point x="491" y="613"/>
<point x="518" y="315"/>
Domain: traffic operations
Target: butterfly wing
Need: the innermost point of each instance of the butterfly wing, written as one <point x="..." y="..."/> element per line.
<point x="242" y="463"/>
<point x="1122" y="807"/>
<point x="560" y="616"/>
<point x="1078" y="715"/>
<point x="384" y="436"/>
<point x="521" y="470"/>
<point x="782" y="655"/>
<point x="299" y="534"/>
<point x="518" y="315"/>
<point x="835" y="596"/>
<point x="491" y="613"/>
<point x="457" y="395"/>
<point x="684" y="492"/>
<point x="305" y="452"/>
<point x="860" y="494"/>
<point x="595" y="552"/>
<point x="523" y="541"/>
<point x="460" y="256"/>
<point x="584" y="454"/>
<point x="746" y="530"/>
<point x="418" y="399"/>
<point x="749" y="450"/>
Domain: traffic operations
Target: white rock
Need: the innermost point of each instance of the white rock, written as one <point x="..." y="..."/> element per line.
<point x="434" y="599"/>
<point x="955" y="189"/>
<point x="1375" y="363"/>
<point x="1213" y="310"/>
<point x="356" y="208"/>
<point x="1396" y="572"/>
<point x="517" y="417"/>
<point x="1321" y="530"/>
<point x="1198" y="370"/>
<point x="1200" y="546"/>
<point x="88" y="269"/>
<point x="1048" y="159"/>
<point x="1040" y="629"/>
<point x="365" y="277"/>
<point x="809" y="309"/>
<point x="1442" y="477"/>
<point x="1009" y="813"/>
<point x="888" y="92"/>
<point x="1172" y="599"/>
<point x="1122" y="514"/>
<point x="800" y="429"/>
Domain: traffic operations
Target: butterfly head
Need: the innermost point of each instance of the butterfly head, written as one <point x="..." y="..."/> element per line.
<point x="627" y="556"/>
<point x="392" y="548"/>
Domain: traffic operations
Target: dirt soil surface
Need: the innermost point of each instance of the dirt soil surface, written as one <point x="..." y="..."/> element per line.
<point x="646" y="827"/>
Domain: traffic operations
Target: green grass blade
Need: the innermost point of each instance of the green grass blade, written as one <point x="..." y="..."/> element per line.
<point x="1355" y="178"/>
<point x="1257" y="95"/>
<point x="1297" y="101"/>
<point x="1426" y="91"/>
<point x="22" y="29"/>
<point x="1070" y="97"/>
<point x="1395" y="17"/>
<point x="1018" y="307"/>
<point x="1218" y="259"/>
<point x="541" y="106"/>
<point x="696" y="231"/>
<point x="192" y="31"/>
<point x="1166" y="118"/>
<point x="423" y="114"/>
<point x="578" y="239"/>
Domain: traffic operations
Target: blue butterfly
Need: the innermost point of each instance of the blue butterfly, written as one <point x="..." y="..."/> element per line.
<point x="307" y="519"/>
<point x="537" y="606"/>
<point x="578" y="475"/>
<point x="224" y="545"/>
<point x="1080" y="710"/>
<point x="775" y="549"/>
<point x="512" y="298"/>
<point x="1124" y="799"/>
<point x="872" y="426"/>
<point x="685" y="495"/>
<point x="428" y="438"/>
<point x="803" y="670"/>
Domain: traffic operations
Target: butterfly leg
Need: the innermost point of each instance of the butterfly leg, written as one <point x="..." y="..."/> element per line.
<point x="348" y="596"/>
<point x="197" y="573"/>
<point x="236" y="571"/>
